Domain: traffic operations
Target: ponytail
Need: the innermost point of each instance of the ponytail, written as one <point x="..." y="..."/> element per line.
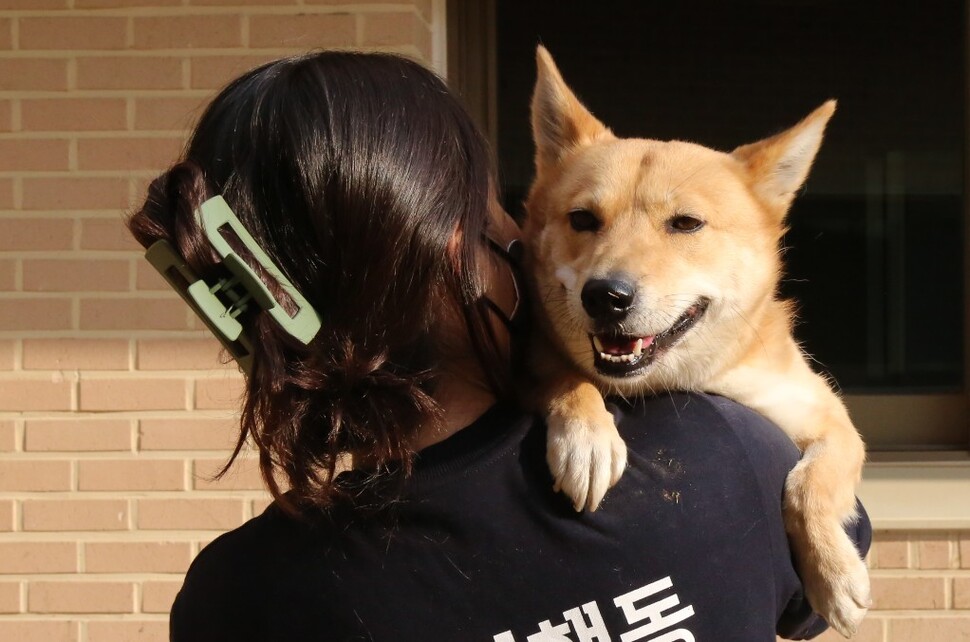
<point x="354" y="173"/>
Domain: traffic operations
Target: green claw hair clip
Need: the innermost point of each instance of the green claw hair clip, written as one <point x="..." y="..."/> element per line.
<point x="219" y="305"/>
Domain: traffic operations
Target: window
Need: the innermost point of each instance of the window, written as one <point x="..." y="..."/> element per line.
<point x="877" y="246"/>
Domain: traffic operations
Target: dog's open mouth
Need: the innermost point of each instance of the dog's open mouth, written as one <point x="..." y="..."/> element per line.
<point x="618" y="355"/>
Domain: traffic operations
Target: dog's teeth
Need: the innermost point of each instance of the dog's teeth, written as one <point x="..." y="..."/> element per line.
<point x="638" y="348"/>
<point x="598" y="344"/>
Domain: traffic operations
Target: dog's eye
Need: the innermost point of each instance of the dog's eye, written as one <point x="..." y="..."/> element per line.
<point x="584" y="221"/>
<point x="684" y="223"/>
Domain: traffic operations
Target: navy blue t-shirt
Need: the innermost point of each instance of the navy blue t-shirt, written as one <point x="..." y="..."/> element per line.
<point x="689" y="546"/>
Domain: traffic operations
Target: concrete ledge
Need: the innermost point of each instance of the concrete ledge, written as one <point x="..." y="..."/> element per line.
<point x="918" y="495"/>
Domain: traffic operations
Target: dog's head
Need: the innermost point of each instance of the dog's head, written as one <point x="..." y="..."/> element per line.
<point x="653" y="260"/>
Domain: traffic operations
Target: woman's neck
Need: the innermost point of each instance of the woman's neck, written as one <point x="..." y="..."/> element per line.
<point x="462" y="401"/>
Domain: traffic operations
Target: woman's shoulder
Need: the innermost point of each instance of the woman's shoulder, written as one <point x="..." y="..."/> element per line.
<point x="230" y="579"/>
<point x="709" y="430"/>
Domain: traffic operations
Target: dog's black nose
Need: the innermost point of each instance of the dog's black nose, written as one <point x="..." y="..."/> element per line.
<point x="608" y="299"/>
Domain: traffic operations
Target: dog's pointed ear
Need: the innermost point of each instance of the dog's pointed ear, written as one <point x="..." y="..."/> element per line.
<point x="778" y="166"/>
<point x="559" y="121"/>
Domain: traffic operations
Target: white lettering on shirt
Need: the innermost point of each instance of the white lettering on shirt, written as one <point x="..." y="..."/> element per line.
<point x="652" y="612"/>
<point x="595" y="631"/>
<point x="649" y="605"/>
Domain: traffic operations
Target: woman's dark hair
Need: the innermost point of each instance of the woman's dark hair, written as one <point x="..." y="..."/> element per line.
<point x="365" y="180"/>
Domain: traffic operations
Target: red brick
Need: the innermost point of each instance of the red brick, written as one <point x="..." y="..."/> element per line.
<point x="33" y="475"/>
<point x="125" y="631"/>
<point x="148" y="279"/>
<point x="107" y="234"/>
<point x="128" y="153"/>
<point x="189" y="514"/>
<point x="907" y="593"/>
<point x="180" y="354"/>
<point x="75" y="514"/>
<point x="187" y="32"/>
<point x="8" y="275"/>
<point x="936" y="629"/>
<point x="74" y="193"/>
<point x="75" y="354"/>
<point x="244" y="475"/>
<point x="302" y="30"/>
<point x="424" y="6"/>
<point x="6" y="33"/>
<point x="6" y="516"/>
<point x="222" y="393"/>
<point x="871" y="630"/>
<point x="935" y="552"/>
<point x="213" y="72"/>
<point x="10" y="597"/>
<point x="24" y="154"/>
<point x="157" y="597"/>
<point x="8" y="352"/>
<point x="73" y="114"/>
<point x="79" y="597"/>
<point x="6" y="116"/>
<point x="242" y="3"/>
<point x="131" y="394"/>
<point x="6" y="193"/>
<point x="132" y="474"/>
<point x="76" y="275"/>
<point x="187" y="434"/>
<point x="168" y="112"/>
<point x="33" y="5"/>
<point x="37" y="557"/>
<point x="68" y="33"/>
<point x="133" y="314"/>
<point x="26" y="234"/>
<point x="77" y="435"/>
<point x="128" y="73"/>
<point x="35" y="394"/>
<point x="890" y="550"/>
<point x="38" y="630"/>
<point x="137" y="557"/>
<point x="961" y="592"/>
<point x="33" y="74"/>
<point x="127" y="4"/>
<point x="8" y="436"/>
<point x="35" y="314"/>
<point x="260" y="505"/>
<point x="396" y="29"/>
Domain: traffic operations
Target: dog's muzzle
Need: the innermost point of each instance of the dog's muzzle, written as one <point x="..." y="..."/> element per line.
<point x="616" y="354"/>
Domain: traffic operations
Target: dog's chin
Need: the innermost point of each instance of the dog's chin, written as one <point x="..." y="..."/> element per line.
<point x="624" y="356"/>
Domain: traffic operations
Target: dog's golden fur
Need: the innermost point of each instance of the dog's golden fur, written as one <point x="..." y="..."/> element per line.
<point x="741" y="345"/>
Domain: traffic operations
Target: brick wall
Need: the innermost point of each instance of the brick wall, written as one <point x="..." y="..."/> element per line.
<point x="920" y="588"/>
<point x="115" y="409"/>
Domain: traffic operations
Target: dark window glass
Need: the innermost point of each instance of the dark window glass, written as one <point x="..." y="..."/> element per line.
<point x="875" y="251"/>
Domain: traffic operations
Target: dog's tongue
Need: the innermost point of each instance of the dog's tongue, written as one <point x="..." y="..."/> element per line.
<point x="624" y="345"/>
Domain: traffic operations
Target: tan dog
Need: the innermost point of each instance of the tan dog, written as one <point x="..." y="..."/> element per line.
<point x="655" y="267"/>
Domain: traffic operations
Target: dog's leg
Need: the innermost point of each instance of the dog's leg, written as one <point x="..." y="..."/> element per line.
<point x="820" y="490"/>
<point x="584" y="450"/>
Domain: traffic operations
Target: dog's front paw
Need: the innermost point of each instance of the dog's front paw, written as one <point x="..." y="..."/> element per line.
<point x="838" y="588"/>
<point x="586" y="456"/>
<point x="835" y="577"/>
